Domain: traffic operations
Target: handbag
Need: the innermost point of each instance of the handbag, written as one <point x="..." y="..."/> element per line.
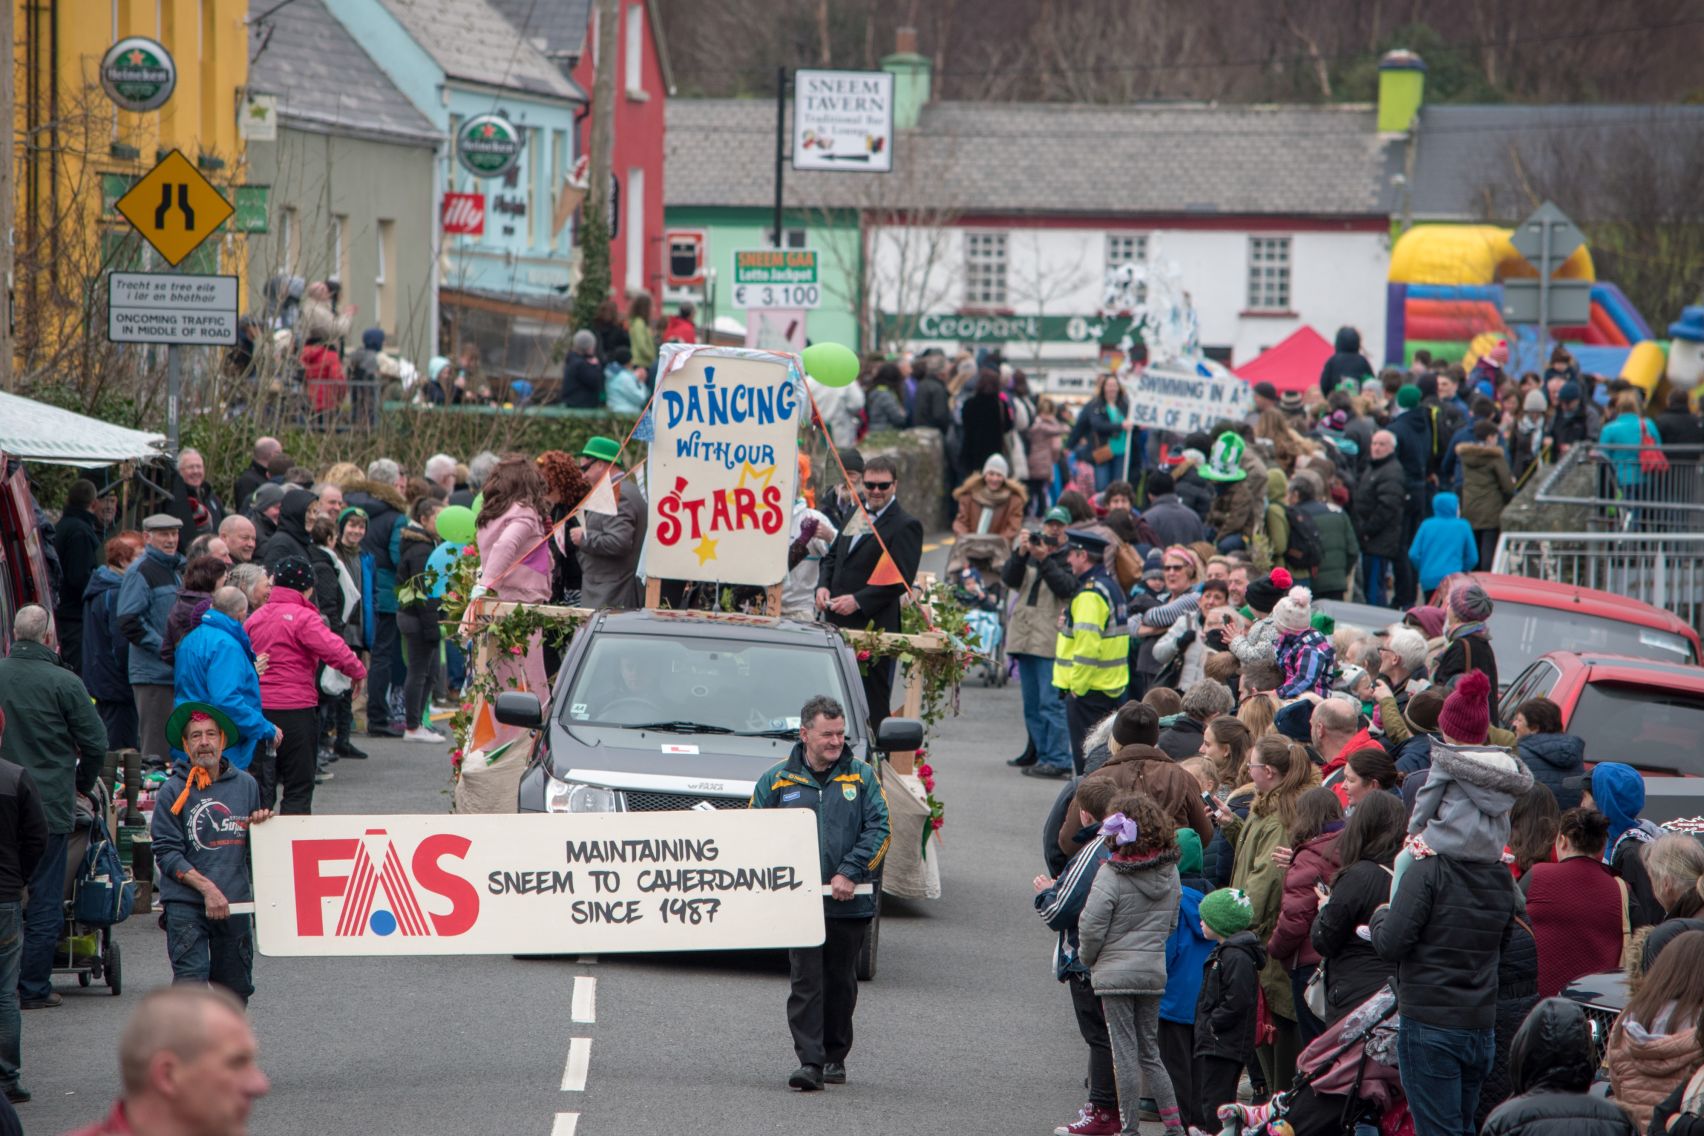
<point x="1313" y="995"/>
<point x="1626" y="922"/>
<point x="1100" y="455"/>
<point x="1651" y="457"/>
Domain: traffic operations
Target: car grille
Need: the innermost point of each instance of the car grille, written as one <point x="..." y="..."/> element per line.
<point x="1602" y="1021"/>
<point x="643" y="802"/>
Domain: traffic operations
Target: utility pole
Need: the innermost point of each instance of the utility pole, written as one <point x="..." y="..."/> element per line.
<point x="595" y="226"/>
<point x="7" y="195"/>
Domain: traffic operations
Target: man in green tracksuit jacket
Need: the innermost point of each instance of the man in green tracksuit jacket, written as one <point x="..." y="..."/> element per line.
<point x="852" y="837"/>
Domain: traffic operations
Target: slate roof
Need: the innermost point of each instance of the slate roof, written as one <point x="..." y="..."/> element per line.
<point x="1483" y="162"/>
<point x="1053" y="158"/>
<point x="472" y="42"/>
<point x="325" y="81"/>
<point x="555" y="27"/>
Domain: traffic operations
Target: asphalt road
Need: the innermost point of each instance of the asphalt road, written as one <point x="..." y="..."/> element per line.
<point x="963" y="1030"/>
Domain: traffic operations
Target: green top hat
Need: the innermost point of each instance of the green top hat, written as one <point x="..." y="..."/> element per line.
<point x="601" y="449"/>
<point x="1225" y="462"/>
<point x="179" y="721"/>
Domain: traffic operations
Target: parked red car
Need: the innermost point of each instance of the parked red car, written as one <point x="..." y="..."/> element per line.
<point x="1529" y="617"/>
<point x="1644" y="712"/>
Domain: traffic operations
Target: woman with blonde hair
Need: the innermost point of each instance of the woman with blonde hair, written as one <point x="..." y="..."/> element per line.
<point x="344" y="475"/>
<point x="1287" y="445"/>
<point x="1280" y="772"/>
<point x="514" y="559"/>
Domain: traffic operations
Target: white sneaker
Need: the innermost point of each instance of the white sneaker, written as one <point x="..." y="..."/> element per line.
<point x="423" y="735"/>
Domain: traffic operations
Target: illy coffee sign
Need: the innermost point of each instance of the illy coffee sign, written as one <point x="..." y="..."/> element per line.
<point x="138" y="74"/>
<point x="489" y="146"/>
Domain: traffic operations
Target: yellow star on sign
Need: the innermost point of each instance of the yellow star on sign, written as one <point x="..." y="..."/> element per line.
<point x="706" y="550"/>
<point x="174" y="207"/>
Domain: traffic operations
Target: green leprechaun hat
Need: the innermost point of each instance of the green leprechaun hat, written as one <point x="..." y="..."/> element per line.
<point x="1225" y="462"/>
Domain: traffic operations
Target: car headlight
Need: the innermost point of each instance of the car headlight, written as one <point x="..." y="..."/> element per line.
<point x="575" y="797"/>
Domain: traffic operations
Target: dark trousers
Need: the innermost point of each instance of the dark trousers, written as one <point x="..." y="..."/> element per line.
<point x="379" y="676"/>
<point x="1177" y="1054"/>
<point x="119" y="717"/>
<point x="878" y="691"/>
<point x="1082" y="711"/>
<point x="1308" y="1027"/>
<point x="1407" y="576"/>
<point x="1442" y="1072"/>
<point x="11" y="1023"/>
<point x="422" y="654"/>
<point x="70" y="631"/>
<point x="1091" y="1023"/>
<point x="264" y="769"/>
<point x="298" y="755"/>
<point x="44" y="916"/>
<point x="206" y="950"/>
<point x="1216" y="1081"/>
<point x="825" y="992"/>
<point x="1487" y="546"/>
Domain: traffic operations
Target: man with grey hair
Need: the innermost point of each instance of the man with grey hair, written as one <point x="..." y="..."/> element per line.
<point x="1335" y="721"/>
<point x="582" y="374"/>
<point x="189" y="1062"/>
<point x="440" y="470"/>
<point x="380" y="497"/>
<point x="330" y="496"/>
<point x="257" y="474"/>
<point x="145" y="600"/>
<point x="479" y="468"/>
<point x="1402" y="666"/>
<point x="822" y="775"/>
<point x="193" y="501"/>
<point x="1205" y="700"/>
<point x="1377" y="508"/>
<point x="52" y="730"/>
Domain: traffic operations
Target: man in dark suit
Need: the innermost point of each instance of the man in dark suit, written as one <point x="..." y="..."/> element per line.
<point x="845" y="594"/>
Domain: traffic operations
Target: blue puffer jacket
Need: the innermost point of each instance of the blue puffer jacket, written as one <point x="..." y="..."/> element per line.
<point x="145" y="599"/>
<point x="106" y="656"/>
<point x="1444" y="544"/>
<point x="1553" y="758"/>
<point x="1187" y="952"/>
<point x="216" y="666"/>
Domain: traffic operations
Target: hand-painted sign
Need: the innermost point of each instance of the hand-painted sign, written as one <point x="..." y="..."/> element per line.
<point x="1186" y="399"/>
<point x="541" y="883"/>
<point x="724" y="465"/>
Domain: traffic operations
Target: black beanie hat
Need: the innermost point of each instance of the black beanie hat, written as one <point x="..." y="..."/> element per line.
<point x="1137" y="723"/>
<point x="1263" y="594"/>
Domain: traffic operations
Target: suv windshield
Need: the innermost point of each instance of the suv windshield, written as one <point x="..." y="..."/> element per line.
<point x="1522" y="632"/>
<point x="1650" y="729"/>
<point x="700" y="685"/>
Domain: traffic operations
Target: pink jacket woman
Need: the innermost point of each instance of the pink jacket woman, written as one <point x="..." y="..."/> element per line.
<point x="288" y="629"/>
<point x="515" y="565"/>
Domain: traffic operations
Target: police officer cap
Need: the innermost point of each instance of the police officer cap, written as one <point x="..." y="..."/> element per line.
<point x="1089" y="542"/>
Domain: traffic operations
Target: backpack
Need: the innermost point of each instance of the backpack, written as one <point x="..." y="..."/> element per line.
<point x="1306" y="549"/>
<point x="103" y="897"/>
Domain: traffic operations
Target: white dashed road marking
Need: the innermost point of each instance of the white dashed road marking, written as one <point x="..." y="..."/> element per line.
<point x="564" y="1124"/>
<point x="579" y="1061"/>
<point x="585" y="999"/>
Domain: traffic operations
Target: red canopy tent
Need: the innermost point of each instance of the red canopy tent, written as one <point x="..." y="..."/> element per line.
<point x="1293" y="365"/>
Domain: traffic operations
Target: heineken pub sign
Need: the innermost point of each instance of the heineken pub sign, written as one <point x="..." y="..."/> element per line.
<point x="138" y="74"/>
<point x="489" y="146"/>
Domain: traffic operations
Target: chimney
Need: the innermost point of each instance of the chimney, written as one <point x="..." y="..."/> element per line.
<point x="912" y="76"/>
<point x="1402" y="85"/>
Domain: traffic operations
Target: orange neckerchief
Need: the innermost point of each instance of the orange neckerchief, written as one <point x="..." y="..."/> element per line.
<point x="198" y="778"/>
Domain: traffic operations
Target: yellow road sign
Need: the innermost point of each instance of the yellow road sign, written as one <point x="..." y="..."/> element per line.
<point x="174" y="207"/>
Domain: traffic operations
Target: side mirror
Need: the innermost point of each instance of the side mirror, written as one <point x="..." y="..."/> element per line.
<point x="519" y="708"/>
<point x="898" y="735"/>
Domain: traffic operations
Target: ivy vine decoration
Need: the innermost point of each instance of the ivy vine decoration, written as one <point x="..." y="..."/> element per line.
<point x="942" y="672"/>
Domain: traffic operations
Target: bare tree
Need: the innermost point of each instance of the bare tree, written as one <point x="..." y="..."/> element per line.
<point x="1040" y="282"/>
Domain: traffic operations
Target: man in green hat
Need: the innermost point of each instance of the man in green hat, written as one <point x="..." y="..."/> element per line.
<point x="1234" y="510"/>
<point x="201" y="835"/>
<point x="609" y="542"/>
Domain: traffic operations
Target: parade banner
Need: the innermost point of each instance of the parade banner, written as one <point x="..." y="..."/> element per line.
<point x="724" y="466"/>
<point x="537" y="883"/>
<point x="1186" y="399"/>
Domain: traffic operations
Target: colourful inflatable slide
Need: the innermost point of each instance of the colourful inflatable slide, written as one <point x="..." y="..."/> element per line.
<point x="1445" y="292"/>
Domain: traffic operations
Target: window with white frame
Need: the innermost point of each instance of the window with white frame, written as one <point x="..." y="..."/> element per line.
<point x="384" y="284"/>
<point x="1269" y="274"/>
<point x="984" y="270"/>
<point x="634" y="49"/>
<point x="1126" y="248"/>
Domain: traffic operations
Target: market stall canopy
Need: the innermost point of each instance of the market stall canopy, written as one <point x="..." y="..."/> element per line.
<point x="1293" y="365"/>
<point x="36" y="431"/>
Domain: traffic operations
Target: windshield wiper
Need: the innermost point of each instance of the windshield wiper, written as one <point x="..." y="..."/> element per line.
<point x="782" y="734"/>
<point x="680" y="728"/>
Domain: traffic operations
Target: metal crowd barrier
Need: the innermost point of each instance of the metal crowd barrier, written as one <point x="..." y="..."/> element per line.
<point x="1624" y="493"/>
<point x="1662" y="569"/>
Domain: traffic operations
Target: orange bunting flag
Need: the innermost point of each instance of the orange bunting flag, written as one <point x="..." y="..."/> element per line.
<point x="886" y="572"/>
<point x="483" y="731"/>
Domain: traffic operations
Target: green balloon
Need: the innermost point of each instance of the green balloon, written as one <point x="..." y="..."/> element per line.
<point x="831" y="364"/>
<point x="456" y="524"/>
<point x="478" y="504"/>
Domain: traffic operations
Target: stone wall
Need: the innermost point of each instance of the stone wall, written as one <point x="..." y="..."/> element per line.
<point x="922" y="467"/>
<point x="1526" y="514"/>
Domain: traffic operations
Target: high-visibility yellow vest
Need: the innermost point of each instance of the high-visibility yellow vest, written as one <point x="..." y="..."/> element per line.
<point x="1092" y="653"/>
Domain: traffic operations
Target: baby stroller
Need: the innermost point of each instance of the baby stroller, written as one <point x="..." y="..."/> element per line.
<point x="1346" y="1079"/>
<point x="95" y="901"/>
<point x="973" y="568"/>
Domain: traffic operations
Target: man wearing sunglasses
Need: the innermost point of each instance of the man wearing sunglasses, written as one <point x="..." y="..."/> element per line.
<point x="845" y="594"/>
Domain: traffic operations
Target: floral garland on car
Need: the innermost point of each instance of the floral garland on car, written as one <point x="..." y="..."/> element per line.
<point x="942" y="672"/>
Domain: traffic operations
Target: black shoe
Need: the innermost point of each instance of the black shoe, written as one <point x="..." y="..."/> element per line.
<point x="1025" y="759"/>
<point x="1051" y="772"/>
<point x="834" y="1073"/>
<point x="51" y="1002"/>
<point x="348" y="749"/>
<point x="18" y="1095"/>
<point x="383" y="731"/>
<point x="806" y="1078"/>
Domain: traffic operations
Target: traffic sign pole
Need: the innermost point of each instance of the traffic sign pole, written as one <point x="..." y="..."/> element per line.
<point x="1544" y="290"/>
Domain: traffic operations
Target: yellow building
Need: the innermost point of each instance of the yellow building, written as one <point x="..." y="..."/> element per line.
<point x="76" y="153"/>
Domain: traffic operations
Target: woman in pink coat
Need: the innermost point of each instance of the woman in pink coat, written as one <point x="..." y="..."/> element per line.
<point x="514" y="559"/>
<point x="289" y="630"/>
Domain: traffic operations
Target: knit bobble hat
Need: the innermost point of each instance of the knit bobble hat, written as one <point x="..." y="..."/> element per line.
<point x="1294" y="613"/>
<point x="1466" y="716"/>
<point x="1408" y="397"/>
<point x="996" y="464"/>
<point x="1227" y="911"/>
<point x="1470" y="604"/>
<point x="1535" y="403"/>
<point x="1263" y="594"/>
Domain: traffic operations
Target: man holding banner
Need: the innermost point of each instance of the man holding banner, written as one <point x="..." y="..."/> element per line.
<point x="201" y="849"/>
<point x="852" y="838"/>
